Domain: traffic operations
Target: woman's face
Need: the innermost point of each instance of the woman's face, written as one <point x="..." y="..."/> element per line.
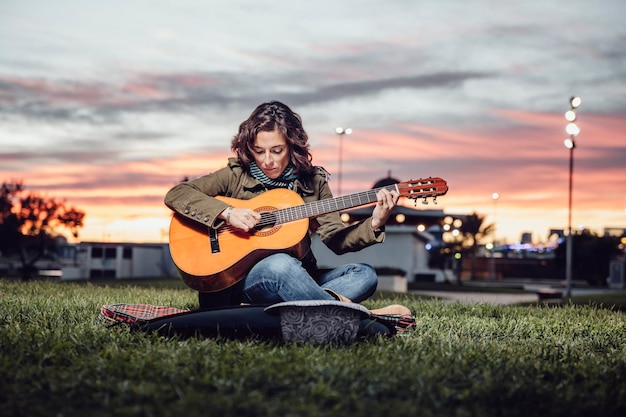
<point x="271" y="153"/>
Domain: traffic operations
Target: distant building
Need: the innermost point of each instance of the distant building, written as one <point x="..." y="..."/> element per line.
<point x="94" y="260"/>
<point x="556" y="234"/>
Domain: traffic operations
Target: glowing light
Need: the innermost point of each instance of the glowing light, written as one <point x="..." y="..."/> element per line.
<point x="570" y="115"/>
<point x="400" y="218"/>
<point x="572" y="129"/>
<point x="421" y="227"/>
<point x="575" y="102"/>
<point x="345" y="217"/>
<point x="341" y="132"/>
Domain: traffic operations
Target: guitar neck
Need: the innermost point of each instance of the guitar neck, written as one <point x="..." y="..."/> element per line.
<point x="330" y="205"/>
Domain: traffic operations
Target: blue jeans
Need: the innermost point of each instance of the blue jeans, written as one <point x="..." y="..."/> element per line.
<point x="281" y="277"/>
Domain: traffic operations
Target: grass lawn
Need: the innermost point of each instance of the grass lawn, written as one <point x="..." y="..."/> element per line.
<point x="462" y="360"/>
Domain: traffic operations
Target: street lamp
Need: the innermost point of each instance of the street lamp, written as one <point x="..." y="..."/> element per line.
<point x="573" y="130"/>
<point x="341" y="132"/>
<point x="492" y="261"/>
<point x="494" y="197"/>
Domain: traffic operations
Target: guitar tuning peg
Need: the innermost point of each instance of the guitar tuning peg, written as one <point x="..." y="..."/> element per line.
<point x="435" y="200"/>
<point x="425" y="200"/>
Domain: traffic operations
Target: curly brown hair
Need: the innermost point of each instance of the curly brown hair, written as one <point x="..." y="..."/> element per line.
<point x="268" y="117"/>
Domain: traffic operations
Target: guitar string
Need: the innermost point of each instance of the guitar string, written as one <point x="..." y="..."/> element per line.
<point x="317" y="207"/>
<point x="314" y="207"/>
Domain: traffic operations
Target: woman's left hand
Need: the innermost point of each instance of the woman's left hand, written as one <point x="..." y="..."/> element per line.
<point x="384" y="206"/>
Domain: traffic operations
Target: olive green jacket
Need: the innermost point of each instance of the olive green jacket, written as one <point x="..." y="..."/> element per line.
<point x="194" y="199"/>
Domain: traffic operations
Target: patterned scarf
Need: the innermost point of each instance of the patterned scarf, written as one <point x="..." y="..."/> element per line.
<point x="285" y="180"/>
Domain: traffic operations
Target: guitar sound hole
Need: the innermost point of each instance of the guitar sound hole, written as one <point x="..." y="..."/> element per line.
<point x="267" y="223"/>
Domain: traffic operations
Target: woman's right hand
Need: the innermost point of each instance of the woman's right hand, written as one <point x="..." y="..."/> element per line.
<point x="241" y="218"/>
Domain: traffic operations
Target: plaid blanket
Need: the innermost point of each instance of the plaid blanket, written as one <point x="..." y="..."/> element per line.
<point x="134" y="313"/>
<point x="399" y="322"/>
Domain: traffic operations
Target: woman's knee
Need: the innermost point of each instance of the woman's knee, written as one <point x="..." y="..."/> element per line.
<point x="279" y="264"/>
<point x="367" y="273"/>
<point x="368" y="282"/>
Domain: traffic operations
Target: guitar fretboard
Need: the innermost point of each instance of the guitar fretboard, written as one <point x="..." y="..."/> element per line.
<point x="329" y="205"/>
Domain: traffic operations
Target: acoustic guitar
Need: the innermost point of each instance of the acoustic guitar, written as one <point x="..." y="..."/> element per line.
<point x="214" y="259"/>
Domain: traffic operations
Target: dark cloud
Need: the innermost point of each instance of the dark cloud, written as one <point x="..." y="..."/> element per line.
<point x="29" y="158"/>
<point x="605" y="158"/>
<point x="102" y="103"/>
<point x="100" y="200"/>
<point x="372" y="87"/>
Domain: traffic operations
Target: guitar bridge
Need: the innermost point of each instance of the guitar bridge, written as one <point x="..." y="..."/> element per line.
<point x="215" y="244"/>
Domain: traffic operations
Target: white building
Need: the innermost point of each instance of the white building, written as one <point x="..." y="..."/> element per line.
<point x="404" y="248"/>
<point x="93" y="260"/>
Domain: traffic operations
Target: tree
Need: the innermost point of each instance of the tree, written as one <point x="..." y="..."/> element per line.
<point x="447" y="254"/>
<point x="30" y="222"/>
<point x="474" y="232"/>
<point x="591" y="256"/>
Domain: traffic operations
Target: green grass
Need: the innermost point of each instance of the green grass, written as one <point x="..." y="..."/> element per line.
<point x="462" y="360"/>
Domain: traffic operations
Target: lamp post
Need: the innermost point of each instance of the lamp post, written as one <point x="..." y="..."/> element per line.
<point x="341" y="132"/>
<point x="492" y="261"/>
<point x="573" y="130"/>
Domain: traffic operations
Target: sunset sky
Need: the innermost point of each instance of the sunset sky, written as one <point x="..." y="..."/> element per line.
<point x="108" y="104"/>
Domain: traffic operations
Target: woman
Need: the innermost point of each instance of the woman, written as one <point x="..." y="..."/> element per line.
<point x="272" y="151"/>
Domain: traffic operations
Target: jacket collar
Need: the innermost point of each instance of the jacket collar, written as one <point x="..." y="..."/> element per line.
<point x="251" y="183"/>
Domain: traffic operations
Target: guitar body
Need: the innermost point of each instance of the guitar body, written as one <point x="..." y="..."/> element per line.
<point x="214" y="259"/>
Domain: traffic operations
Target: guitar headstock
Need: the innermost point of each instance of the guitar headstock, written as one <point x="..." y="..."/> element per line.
<point x="423" y="188"/>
